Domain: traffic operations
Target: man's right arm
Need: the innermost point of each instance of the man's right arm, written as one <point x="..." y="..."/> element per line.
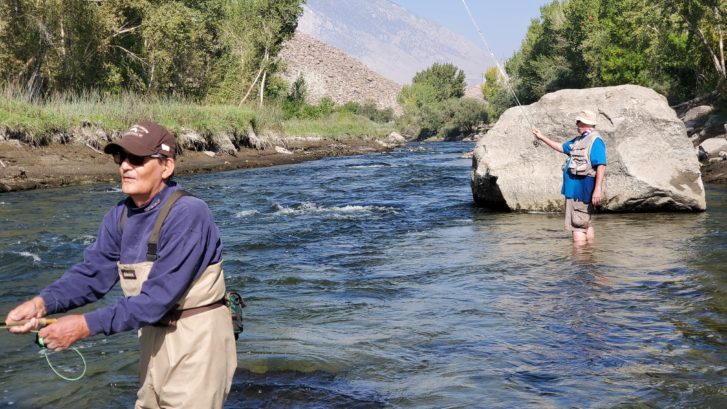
<point x="90" y="279"/>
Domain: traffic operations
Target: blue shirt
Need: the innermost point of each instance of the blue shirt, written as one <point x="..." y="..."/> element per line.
<point x="189" y="241"/>
<point x="581" y="187"/>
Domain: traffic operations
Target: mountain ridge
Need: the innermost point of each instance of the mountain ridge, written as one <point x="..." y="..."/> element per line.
<point x="390" y="39"/>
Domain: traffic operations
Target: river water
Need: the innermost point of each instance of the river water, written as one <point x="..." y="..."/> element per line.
<point x="373" y="281"/>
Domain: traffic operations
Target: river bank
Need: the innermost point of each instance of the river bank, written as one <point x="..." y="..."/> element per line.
<point x="24" y="167"/>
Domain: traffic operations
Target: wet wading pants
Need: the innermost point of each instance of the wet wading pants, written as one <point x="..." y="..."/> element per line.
<point x="190" y="364"/>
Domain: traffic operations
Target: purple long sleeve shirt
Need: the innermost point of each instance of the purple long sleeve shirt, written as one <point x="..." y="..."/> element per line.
<point x="189" y="241"/>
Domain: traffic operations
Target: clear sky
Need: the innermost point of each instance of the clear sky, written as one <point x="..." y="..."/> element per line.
<point x="503" y="23"/>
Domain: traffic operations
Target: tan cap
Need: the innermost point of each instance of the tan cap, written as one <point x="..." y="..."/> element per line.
<point x="144" y="139"/>
<point x="587" y="117"/>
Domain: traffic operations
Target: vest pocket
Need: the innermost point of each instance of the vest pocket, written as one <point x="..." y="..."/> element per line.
<point x="578" y="168"/>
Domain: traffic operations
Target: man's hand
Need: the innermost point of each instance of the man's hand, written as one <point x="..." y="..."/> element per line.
<point x="538" y="134"/>
<point x="596" y="198"/>
<point x="64" y="332"/>
<point x="28" y="311"/>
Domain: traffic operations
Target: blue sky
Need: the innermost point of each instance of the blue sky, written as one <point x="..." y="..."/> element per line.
<point x="503" y="23"/>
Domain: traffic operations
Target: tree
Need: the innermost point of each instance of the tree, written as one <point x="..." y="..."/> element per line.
<point x="47" y="45"/>
<point x="433" y="104"/>
<point x="52" y="46"/>
<point x="673" y="46"/>
<point x="447" y="81"/>
<point x="254" y="33"/>
<point x="705" y="20"/>
<point x="179" y="50"/>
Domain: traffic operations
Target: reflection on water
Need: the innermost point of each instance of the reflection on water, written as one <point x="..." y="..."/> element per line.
<point x="373" y="281"/>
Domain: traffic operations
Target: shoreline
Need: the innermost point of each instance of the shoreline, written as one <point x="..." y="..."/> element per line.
<point x="23" y="167"/>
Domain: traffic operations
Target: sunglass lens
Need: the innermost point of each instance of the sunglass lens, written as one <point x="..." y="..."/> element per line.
<point x="120" y="157"/>
<point x="135" y="160"/>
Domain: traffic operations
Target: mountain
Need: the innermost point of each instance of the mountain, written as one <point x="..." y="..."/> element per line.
<point x="389" y="39"/>
<point x="330" y="72"/>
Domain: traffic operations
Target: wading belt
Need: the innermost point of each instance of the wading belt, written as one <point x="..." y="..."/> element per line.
<point x="170" y="319"/>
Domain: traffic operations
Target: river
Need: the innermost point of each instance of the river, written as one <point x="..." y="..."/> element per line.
<point x="373" y="281"/>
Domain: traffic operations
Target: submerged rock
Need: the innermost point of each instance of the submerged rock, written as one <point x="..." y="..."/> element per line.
<point x="652" y="165"/>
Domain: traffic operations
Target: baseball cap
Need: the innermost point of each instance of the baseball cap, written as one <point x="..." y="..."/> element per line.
<point x="145" y="139"/>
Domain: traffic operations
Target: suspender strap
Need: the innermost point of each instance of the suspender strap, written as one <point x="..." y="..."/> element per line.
<point x="151" y="248"/>
<point x="124" y="215"/>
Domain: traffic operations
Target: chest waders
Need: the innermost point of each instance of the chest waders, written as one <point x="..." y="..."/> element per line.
<point x="188" y="359"/>
<point x="580" y="155"/>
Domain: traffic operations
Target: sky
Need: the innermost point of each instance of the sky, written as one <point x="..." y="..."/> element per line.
<point x="503" y="23"/>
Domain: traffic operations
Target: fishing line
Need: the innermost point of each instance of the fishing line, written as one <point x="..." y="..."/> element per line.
<point x="46" y="352"/>
<point x="499" y="67"/>
<point x="41" y="343"/>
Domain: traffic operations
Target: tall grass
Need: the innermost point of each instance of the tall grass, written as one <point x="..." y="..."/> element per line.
<point x="37" y="122"/>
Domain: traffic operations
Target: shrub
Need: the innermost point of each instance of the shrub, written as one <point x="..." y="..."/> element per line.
<point x="462" y="117"/>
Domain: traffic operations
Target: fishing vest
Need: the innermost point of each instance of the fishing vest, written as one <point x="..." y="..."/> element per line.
<point x="206" y="292"/>
<point x="580" y="155"/>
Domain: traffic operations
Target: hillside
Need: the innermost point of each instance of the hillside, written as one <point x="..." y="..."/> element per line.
<point x="390" y="39"/>
<point x="330" y="72"/>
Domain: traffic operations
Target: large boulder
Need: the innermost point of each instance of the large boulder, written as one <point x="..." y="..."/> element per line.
<point x="652" y="165"/>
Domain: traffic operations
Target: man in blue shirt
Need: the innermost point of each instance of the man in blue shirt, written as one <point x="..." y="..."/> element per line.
<point x="164" y="249"/>
<point x="583" y="175"/>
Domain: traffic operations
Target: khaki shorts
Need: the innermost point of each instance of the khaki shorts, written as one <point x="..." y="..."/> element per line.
<point x="578" y="215"/>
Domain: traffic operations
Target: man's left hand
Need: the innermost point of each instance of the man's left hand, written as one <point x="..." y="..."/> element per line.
<point x="63" y="333"/>
<point x="596" y="198"/>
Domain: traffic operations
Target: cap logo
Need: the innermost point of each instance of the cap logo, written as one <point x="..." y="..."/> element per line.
<point x="165" y="147"/>
<point x="138" y="131"/>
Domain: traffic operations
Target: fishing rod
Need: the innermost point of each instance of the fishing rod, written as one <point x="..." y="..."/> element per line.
<point x="43" y="322"/>
<point x="499" y="67"/>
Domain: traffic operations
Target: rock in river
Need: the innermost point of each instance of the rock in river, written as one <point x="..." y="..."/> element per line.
<point x="652" y="165"/>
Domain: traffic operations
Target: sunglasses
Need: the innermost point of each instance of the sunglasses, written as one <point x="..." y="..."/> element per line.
<point x="121" y="156"/>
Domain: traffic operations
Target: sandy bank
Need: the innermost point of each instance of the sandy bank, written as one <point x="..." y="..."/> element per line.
<point x="25" y="167"/>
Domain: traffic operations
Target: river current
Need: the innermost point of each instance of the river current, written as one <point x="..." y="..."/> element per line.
<point x="373" y="281"/>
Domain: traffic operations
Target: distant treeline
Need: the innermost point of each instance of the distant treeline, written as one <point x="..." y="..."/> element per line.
<point x="204" y="50"/>
<point x="672" y="46"/>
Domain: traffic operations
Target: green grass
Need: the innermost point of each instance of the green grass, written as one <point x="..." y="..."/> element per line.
<point x="36" y="122"/>
<point x="337" y="125"/>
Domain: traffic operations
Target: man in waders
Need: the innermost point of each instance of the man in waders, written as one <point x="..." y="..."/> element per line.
<point x="582" y="176"/>
<point x="165" y="249"/>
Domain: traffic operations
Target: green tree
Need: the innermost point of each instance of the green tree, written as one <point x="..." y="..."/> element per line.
<point x="139" y="45"/>
<point x="179" y="50"/>
<point x="254" y="32"/>
<point x="47" y="45"/>
<point x="496" y="92"/>
<point x="447" y="80"/>
<point x="704" y="19"/>
<point x="672" y="46"/>
<point x="434" y="107"/>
